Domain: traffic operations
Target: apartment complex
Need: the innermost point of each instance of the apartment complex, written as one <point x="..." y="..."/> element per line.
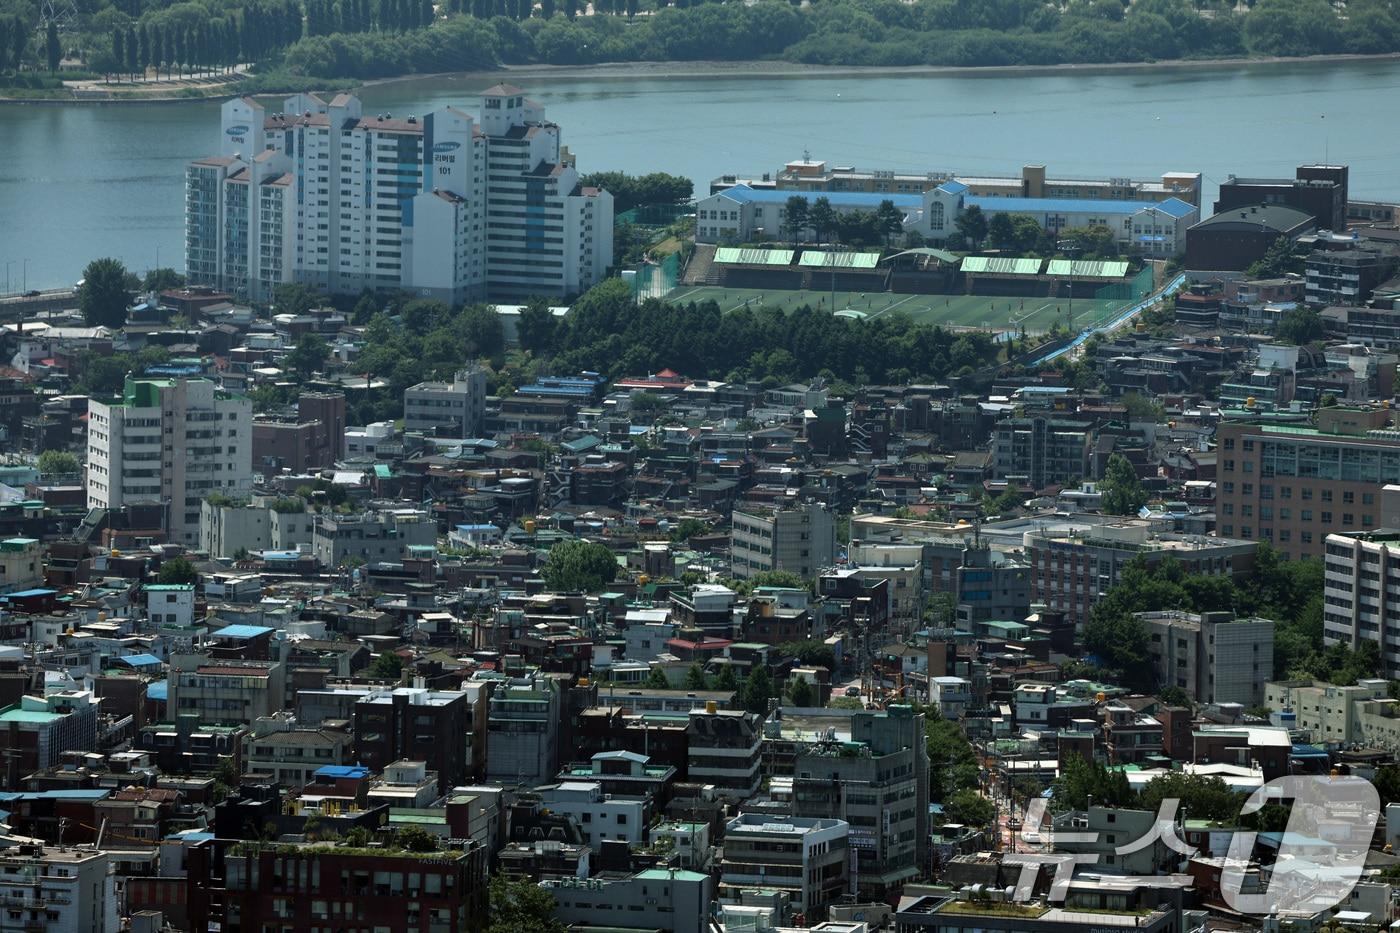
<point x="1361" y="577"/>
<point x="807" y="858"/>
<point x="1213" y="656"/>
<point x="372" y="537"/>
<point x="447" y="205"/>
<point x="522" y="727"/>
<point x="1335" y="716"/>
<point x="37" y="730"/>
<point x="457" y="407"/>
<point x="1292" y="483"/>
<point x="57" y="888"/>
<point x="418" y="724"/>
<point x="724" y="750"/>
<point x="1036" y="452"/>
<point x="171" y="442"/>
<point x="673" y="900"/>
<point x="308" y="886"/>
<point x="800" y="539"/>
<point x="878" y="785"/>
<point x="1072" y="567"/>
<point x="220" y="691"/>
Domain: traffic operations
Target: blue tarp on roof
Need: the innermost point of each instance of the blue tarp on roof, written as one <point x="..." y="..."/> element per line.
<point x="242" y="631"/>
<point x="140" y="660"/>
<point x="160" y="690"/>
<point x="343" y="771"/>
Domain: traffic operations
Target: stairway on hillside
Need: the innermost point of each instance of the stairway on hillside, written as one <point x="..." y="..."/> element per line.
<point x="700" y="270"/>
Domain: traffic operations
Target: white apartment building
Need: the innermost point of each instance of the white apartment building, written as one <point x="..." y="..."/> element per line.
<point x="671" y="900"/>
<point x="21" y="564"/>
<point x="803" y="856"/>
<point x="171" y="441"/>
<point x="600" y="816"/>
<point x="1213" y="656"/>
<point x="458" y="406"/>
<point x="59" y="890"/>
<point x="801" y="539"/>
<point x="1361" y="593"/>
<point x="1333" y="716"/>
<point x="227" y="530"/>
<point x="445" y="205"/>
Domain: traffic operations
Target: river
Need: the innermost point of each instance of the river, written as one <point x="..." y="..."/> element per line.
<point x="82" y="181"/>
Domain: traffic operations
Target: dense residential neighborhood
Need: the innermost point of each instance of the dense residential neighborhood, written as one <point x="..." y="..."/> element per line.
<point x="847" y="549"/>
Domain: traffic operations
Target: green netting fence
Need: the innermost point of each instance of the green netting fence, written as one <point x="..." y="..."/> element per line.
<point x="656" y="279"/>
<point x="1139" y="286"/>
<point x="653" y="215"/>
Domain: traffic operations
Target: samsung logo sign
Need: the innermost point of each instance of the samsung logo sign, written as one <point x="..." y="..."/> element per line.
<point x="236" y="130"/>
<point x="447" y="147"/>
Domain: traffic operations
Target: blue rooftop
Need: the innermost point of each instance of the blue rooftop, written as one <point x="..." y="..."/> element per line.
<point x="1176" y="207"/>
<point x="242" y="631"/>
<point x="746" y="195"/>
<point x="12" y="796"/>
<point x="953" y="187"/>
<point x="140" y="660"/>
<point x="343" y="771"/>
<point x="1057" y="205"/>
<point x="30" y="594"/>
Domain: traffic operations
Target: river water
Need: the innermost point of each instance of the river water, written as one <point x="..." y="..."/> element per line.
<point x="82" y="181"/>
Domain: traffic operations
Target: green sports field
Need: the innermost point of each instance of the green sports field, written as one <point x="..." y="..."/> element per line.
<point x="1035" y="315"/>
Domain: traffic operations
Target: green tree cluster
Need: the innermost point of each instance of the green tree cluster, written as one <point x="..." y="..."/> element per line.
<point x="810" y="653"/>
<point x="577" y="565"/>
<point x="1122" y="490"/>
<point x="1300" y="326"/>
<point x="952" y="764"/>
<point x="177" y="570"/>
<point x="1288" y="592"/>
<point x="969" y="808"/>
<point x="104" y="296"/>
<point x="631" y="191"/>
<point x="298" y="43"/>
<point x="387" y="665"/>
<point x="58" y="463"/>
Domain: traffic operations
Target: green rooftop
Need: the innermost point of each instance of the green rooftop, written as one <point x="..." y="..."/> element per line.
<point x="16" y="714"/>
<point x="668" y="874"/>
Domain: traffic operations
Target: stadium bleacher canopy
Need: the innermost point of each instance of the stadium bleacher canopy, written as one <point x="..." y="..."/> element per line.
<point x="1001" y="265"/>
<point x="1088" y="269"/>
<point x="753" y="257"/>
<point x="829" y="260"/>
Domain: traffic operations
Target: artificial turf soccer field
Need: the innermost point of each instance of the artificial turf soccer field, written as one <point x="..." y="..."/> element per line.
<point x="995" y="312"/>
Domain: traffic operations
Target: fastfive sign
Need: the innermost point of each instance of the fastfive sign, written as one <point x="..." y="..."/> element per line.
<point x="444" y="156"/>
